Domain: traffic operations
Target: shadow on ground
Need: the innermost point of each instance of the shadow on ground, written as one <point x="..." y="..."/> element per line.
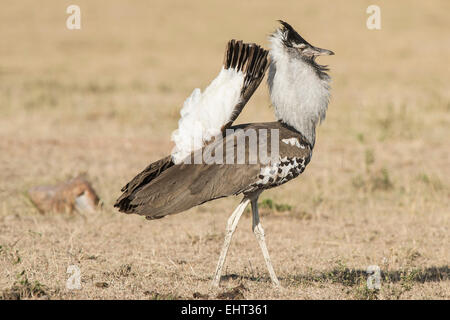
<point x="352" y="277"/>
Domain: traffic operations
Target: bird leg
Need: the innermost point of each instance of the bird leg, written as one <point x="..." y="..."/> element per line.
<point x="259" y="233"/>
<point x="231" y="227"/>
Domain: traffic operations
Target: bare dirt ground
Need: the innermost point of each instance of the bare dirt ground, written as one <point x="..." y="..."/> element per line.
<point x="104" y="100"/>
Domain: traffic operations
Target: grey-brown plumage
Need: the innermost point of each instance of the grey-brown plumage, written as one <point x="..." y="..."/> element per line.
<point x="163" y="189"/>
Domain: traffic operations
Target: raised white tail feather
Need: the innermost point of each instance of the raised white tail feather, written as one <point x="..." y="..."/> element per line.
<point x="204" y="114"/>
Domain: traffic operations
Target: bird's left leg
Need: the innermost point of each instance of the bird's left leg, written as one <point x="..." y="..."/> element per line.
<point x="231" y="227"/>
<point x="259" y="233"/>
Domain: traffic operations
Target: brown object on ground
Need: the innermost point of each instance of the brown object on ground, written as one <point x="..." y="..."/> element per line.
<point x="237" y="293"/>
<point x="102" y="284"/>
<point x="75" y="194"/>
<point x="198" y="295"/>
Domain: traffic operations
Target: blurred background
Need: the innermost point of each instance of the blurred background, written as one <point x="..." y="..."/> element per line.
<point x="103" y="100"/>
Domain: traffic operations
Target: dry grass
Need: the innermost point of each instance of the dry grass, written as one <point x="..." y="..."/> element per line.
<point x="104" y="100"/>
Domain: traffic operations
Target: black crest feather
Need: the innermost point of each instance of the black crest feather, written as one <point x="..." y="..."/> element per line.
<point x="291" y="36"/>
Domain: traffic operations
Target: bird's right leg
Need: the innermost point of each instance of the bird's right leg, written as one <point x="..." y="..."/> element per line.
<point x="259" y="233"/>
<point x="231" y="227"/>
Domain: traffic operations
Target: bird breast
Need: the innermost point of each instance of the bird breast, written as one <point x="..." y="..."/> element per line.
<point x="299" y="96"/>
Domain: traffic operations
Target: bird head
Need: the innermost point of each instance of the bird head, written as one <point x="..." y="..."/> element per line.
<point x="296" y="45"/>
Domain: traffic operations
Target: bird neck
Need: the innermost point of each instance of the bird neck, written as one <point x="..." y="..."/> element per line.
<point x="299" y="90"/>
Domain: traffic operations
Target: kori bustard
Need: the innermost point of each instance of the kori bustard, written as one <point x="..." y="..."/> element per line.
<point x="299" y="92"/>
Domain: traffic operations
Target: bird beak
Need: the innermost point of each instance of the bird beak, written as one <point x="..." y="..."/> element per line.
<point x="314" y="52"/>
<point x="321" y="52"/>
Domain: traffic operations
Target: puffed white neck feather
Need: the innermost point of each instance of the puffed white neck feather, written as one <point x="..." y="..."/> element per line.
<point x="299" y="91"/>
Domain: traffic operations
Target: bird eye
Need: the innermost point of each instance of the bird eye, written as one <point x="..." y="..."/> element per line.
<point x="299" y="46"/>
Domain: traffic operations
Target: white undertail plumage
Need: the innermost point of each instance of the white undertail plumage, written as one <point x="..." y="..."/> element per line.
<point x="300" y="97"/>
<point x="204" y="114"/>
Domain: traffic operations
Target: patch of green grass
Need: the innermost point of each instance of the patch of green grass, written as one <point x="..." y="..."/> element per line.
<point x="431" y="181"/>
<point x="23" y="289"/>
<point x="269" y="204"/>
<point x="302" y="215"/>
<point x="362" y="292"/>
<point x="393" y="283"/>
<point x="381" y="180"/>
<point x="344" y="275"/>
<point x="360" y="137"/>
<point x="408" y="278"/>
<point x="373" y="180"/>
<point x="339" y="274"/>
<point x="266" y="204"/>
<point x="268" y="207"/>
<point x="369" y="158"/>
<point x="281" y="207"/>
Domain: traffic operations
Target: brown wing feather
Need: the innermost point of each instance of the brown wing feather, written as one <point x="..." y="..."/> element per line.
<point x="142" y="179"/>
<point x="183" y="186"/>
